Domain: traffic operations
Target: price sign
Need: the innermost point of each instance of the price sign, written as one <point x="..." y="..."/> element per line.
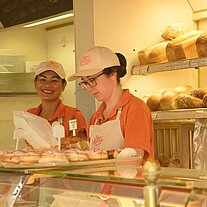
<point x="73" y="125"/>
<point x="18" y="134"/>
<point x="185" y="63"/>
<point x="203" y="61"/>
<point x="199" y="114"/>
<point x="154" y="115"/>
<point x="58" y="132"/>
<point x="169" y="66"/>
<point x="194" y="63"/>
<point x="143" y="69"/>
<point x="178" y="64"/>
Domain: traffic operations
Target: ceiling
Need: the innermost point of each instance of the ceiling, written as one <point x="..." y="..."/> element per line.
<point x="47" y="26"/>
<point x="17" y="13"/>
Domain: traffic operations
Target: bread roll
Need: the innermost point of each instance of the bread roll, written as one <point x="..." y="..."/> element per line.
<point x="198" y="92"/>
<point x="167" y="100"/>
<point x="153" y="102"/>
<point x="165" y="90"/>
<point x="152" y="54"/>
<point x="183" y="88"/>
<point x="205" y="100"/>
<point x="158" y="53"/>
<point x="201" y="45"/>
<point x="175" y="30"/>
<point x="185" y="101"/>
<point x="188" y="37"/>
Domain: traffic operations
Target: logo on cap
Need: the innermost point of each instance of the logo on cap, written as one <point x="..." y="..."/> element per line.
<point x="85" y="60"/>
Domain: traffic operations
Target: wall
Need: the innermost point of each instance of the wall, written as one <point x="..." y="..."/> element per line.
<point x="60" y="47"/>
<point x="32" y="44"/>
<point x="202" y="25"/>
<point x="130" y="27"/>
<point x="36" y="44"/>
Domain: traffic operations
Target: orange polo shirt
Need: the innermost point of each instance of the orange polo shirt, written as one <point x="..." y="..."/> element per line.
<point x="66" y="113"/>
<point x="136" y="122"/>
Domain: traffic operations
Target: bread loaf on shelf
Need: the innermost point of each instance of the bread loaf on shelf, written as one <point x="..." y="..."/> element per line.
<point x="158" y="53"/>
<point x="185" y="101"/>
<point x="175" y="30"/>
<point x="205" y="100"/>
<point x="153" y="54"/>
<point x="201" y="45"/>
<point x="198" y="92"/>
<point x="183" y="88"/>
<point x="186" y="49"/>
<point x="165" y="90"/>
<point x="167" y="100"/>
<point x="153" y="102"/>
<point x="178" y="47"/>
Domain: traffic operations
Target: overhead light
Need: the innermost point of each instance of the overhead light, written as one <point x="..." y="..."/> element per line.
<point x="49" y="20"/>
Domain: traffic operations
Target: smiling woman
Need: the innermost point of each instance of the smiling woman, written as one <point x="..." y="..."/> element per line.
<point x="50" y="83"/>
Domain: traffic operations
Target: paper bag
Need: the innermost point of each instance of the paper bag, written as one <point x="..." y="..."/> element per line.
<point x="37" y="130"/>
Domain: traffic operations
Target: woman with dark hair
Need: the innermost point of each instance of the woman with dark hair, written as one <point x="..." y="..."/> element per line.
<point x="49" y="82"/>
<point x="122" y="120"/>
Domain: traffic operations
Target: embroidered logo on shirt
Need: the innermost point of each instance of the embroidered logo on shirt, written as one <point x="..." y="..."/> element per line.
<point x="98" y="140"/>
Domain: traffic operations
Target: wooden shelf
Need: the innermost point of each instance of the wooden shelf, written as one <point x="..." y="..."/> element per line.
<point x="180" y="114"/>
<point x="169" y="66"/>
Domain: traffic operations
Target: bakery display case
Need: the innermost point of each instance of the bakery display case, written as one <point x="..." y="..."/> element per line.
<point x="121" y="185"/>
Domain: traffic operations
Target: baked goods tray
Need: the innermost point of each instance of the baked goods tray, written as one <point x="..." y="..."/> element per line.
<point x="72" y="165"/>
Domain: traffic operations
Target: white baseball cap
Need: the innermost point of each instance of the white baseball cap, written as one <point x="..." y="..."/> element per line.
<point x="51" y="65"/>
<point x="95" y="60"/>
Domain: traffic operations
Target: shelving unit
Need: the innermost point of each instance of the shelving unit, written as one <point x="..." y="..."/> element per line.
<point x="169" y="66"/>
<point x="181" y="114"/>
<point x="174" y="129"/>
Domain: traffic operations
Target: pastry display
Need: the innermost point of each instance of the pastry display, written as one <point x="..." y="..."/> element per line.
<point x="74" y="155"/>
<point x="2" y="153"/>
<point x="53" y="156"/>
<point x="30" y="157"/>
<point x="13" y="156"/>
<point x="75" y="143"/>
<point x="97" y="155"/>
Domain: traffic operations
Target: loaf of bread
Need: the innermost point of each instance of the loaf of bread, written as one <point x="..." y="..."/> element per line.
<point x="183" y="89"/>
<point x="185" y="101"/>
<point x="153" y="102"/>
<point x="175" y="30"/>
<point x="205" y="100"/>
<point x="181" y="44"/>
<point x="167" y="100"/>
<point x="186" y="49"/>
<point x="158" y="53"/>
<point x="198" y="92"/>
<point x="165" y="90"/>
<point x="153" y="54"/>
<point x="201" y="45"/>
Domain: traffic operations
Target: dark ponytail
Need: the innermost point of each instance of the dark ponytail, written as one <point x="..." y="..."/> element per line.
<point x="121" y="69"/>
